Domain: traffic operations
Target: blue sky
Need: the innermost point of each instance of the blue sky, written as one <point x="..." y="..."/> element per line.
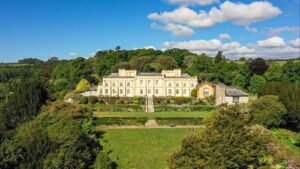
<point x="70" y="28"/>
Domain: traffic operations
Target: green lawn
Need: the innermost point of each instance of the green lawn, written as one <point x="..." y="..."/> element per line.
<point x="142" y="148"/>
<point x="287" y="138"/>
<point x="155" y="114"/>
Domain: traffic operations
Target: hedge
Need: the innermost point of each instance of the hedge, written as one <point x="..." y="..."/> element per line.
<point x="121" y="121"/>
<point x="187" y="108"/>
<point x="120" y="107"/>
<point x="179" y="120"/>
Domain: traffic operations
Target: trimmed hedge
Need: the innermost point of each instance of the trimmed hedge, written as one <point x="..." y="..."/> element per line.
<point x="122" y="100"/>
<point x="179" y="120"/>
<point x="118" y="121"/>
<point x="120" y="107"/>
<point x="189" y="108"/>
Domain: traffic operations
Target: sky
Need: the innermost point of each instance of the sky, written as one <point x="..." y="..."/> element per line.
<point x="71" y="28"/>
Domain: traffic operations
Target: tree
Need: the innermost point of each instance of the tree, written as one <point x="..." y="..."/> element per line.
<point x="258" y="66"/>
<point x="117" y="48"/>
<point x="228" y="141"/>
<point x="219" y="57"/>
<point x="239" y="80"/>
<point x="103" y="161"/>
<point x="274" y="73"/>
<point x="291" y="71"/>
<point x="83" y="85"/>
<point x="268" y="111"/>
<point x="24" y="103"/>
<point x="256" y="82"/>
<point x="166" y="62"/>
<point x="289" y="95"/>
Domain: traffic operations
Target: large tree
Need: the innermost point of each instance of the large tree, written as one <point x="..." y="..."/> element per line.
<point x="227" y="142"/>
<point x="258" y="66"/>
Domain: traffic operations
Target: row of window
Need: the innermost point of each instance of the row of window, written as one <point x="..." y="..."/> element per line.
<point x="149" y="91"/>
<point x="149" y="83"/>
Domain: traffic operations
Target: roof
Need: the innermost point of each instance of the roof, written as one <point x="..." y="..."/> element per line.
<point x="116" y="75"/>
<point x="230" y="91"/>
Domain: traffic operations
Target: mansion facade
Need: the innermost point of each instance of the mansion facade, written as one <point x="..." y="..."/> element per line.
<point x="130" y="83"/>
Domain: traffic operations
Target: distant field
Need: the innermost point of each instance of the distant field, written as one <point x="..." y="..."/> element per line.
<point x="143" y="148"/>
<point x="287" y="138"/>
<point x="15" y="64"/>
<point x="280" y="62"/>
<point x="155" y="114"/>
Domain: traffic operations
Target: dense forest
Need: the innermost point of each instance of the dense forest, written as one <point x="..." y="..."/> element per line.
<point x="39" y="130"/>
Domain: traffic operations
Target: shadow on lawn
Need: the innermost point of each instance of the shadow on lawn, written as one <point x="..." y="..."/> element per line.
<point x="99" y="135"/>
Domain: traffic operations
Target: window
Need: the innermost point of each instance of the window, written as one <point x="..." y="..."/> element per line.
<point x="192" y="84"/>
<point x="114" y="84"/>
<point x="177" y="84"/>
<point x="128" y="91"/>
<point x="156" y="91"/>
<point x="149" y="91"/>
<point x="141" y="91"/>
<point x="170" y="91"/>
<point x="177" y="91"/>
<point x="184" y="91"/>
<point x="106" y="84"/>
<point x="128" y="83"/>
<point x="235" y="100"/>
<point x="206" y="92"/>
<point x="170" y="84"/>
<point x="184" y="84"/>
<point x="121" y="84"/>
<point x="114" y="91"/>
<point x="121" y="91"/>
<point x="156" y="82"/>
<point x="106" y="91"/>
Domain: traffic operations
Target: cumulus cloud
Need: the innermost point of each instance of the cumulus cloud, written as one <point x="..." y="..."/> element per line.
<point x="272" y="42"/>
<point x="272" y="48"/>
<point x="192" y="2"/>
<point x="224" y="36"/>
<point x="237" y="13"/>
<point x="280" y="30"/>
<point x="295" y="43"/>
<point x="176" y="29"/>
<point x="149" y="47"/>
<point x="73" y="54"/>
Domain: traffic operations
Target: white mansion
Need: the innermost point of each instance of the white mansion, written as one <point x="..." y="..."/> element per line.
<point x="130" y="83"/>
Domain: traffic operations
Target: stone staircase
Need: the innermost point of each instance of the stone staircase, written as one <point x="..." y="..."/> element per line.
<point x="149" y="104"/>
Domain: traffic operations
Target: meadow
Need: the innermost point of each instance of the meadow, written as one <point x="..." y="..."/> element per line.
<point x="143" y="148"/>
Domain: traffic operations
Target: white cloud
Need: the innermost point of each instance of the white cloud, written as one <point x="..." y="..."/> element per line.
<point x="73" y="54"/>
<point x="224" y="36"/>
<point x="233" y="50"/>
<point x="193" y="2"/>
<point x="238" y="13"/>
<point x="295" y="43"/>
<point x="176" y="29"/>
<point x="272" y="42"/>
<point x="279" y="30"/>
<point x="251" y="29"/>
<point x="149" y="47"/>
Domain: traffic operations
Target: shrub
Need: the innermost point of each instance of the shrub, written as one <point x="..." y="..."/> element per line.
<point x="92" y="99"/>
<point x="83" y="100"/>
<point x="268" y="111"/>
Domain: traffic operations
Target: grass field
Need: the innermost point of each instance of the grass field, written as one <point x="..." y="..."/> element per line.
<point x="155" y="114"/>
<point x="142" y="148"/>
<point x="288" y="138"/>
